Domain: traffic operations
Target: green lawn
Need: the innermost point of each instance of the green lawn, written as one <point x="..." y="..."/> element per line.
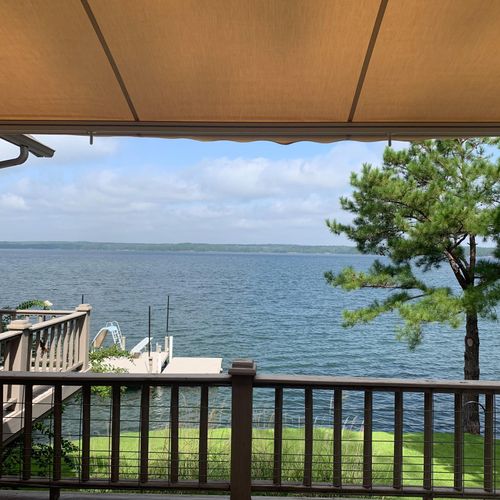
<point x="262" y="462"/>
<point x="293" y="450"/>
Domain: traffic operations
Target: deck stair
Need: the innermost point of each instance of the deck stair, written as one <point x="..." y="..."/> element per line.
<point x="40" y="341"/>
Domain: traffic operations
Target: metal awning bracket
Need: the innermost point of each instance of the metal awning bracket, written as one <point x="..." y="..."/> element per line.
<point x="27" y="144"/>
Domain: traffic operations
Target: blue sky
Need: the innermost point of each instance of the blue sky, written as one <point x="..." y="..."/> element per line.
<point x="171" y="191"/>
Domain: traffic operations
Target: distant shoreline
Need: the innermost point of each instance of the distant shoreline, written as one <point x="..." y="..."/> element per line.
<point x="191" y="247"/>
<point x="178" y="247"/>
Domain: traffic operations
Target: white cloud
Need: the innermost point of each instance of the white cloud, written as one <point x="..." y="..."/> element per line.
<point x="261" y="177"/>
<point x="249" y="200"/>
<point x="11" y="201"/>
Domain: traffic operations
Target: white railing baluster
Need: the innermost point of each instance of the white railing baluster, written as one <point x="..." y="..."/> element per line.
<point x="71" y="343"/>
<point x="65" y="334"/>
<point x="58" y="364"/>
<point x="46" y="336"/>
<point x="53" y="344"/>
<point x="35" y="364"/>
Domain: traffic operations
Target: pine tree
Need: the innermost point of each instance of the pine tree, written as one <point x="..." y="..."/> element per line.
<point x="428" y="205"/>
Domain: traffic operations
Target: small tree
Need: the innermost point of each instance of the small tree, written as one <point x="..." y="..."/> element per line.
<point x="428" y="205"/>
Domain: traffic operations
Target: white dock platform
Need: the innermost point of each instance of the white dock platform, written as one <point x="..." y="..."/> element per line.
<point x="197" y="366"/>
<point x="140" y="364"/>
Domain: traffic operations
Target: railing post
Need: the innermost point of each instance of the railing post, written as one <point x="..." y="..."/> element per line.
<point x="84" y="336"/>
<point x="242" y="373"/>
<point x="19" y="356"/>
<point x="20" y="346"/>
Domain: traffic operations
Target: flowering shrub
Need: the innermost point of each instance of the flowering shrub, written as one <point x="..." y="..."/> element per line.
<point x="27" y="304"/>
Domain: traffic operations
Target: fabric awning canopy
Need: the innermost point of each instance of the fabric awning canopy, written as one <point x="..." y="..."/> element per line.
<point x="283" y="70"/>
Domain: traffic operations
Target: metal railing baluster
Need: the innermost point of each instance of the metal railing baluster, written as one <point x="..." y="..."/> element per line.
<point x="337" y="437"/>
<point x="1" y="422"/>
<point x="489" y="444"/>
<point x="115" y="432"/>
<point x="174" y="434"/>
<point x="86" y="402"/>
<point x="428" y="439"/>
<point x="397" y="480"/>
<point x="367" y="440"/>
<point x="278" y="434"/>
<point x="144" y="450"/>
<point x="308" y="435"/>
<point x="27" y="431"/>
<point x="203" y="444"/>
<point x="458" y="446"/>
<point x="57" y="429"/>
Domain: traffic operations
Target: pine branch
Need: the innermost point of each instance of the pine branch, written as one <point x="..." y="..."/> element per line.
<point x="456" y="269"/>
<point x="399" y="277"/>
<point x="459" y="241"/>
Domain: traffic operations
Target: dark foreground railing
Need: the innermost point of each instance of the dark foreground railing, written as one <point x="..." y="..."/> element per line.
<point x="246" y="433"/>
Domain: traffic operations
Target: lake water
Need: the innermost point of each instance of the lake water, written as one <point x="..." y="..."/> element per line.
<point x="275" y="309"/>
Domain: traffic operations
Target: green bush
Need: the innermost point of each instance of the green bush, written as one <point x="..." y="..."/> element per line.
<point x="42" y="452"/>
<point x="99" y="364"/>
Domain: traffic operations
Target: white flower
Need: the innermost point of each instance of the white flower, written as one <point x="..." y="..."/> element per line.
<point x="47" y="303"/>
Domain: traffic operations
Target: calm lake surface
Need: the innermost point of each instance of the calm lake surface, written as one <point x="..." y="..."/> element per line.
<point x="273" y="308"/>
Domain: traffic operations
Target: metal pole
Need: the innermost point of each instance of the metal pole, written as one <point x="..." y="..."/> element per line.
<point x="149" y="331"/>
<point x="168" y="312"/>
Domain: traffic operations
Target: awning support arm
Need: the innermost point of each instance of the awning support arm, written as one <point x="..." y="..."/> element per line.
<point x="23" y="156"/>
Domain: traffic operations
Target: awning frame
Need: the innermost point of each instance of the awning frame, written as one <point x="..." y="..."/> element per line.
<point x="248" y="131"/>
<point x="125" y="116"/>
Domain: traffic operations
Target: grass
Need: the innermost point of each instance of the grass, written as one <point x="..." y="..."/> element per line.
<point x="293" y="456"/>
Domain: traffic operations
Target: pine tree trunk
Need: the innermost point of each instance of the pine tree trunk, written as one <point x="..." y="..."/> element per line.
<point x="471" y="372"/>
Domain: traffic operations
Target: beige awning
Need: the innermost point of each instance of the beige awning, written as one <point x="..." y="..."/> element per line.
<point x="284" y="70"/>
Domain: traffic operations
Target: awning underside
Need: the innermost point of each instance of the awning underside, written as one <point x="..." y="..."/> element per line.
<point x="283" y="70"/>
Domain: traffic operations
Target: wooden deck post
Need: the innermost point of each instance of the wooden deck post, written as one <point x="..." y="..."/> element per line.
<point x="19" y="352"/>
<point x="19" y="356"/>
<point x="84" y="336"/>
<point x="242" y="373"/>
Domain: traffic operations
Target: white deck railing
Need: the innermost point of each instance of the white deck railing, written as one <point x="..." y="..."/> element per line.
<point x="57" y="342"/>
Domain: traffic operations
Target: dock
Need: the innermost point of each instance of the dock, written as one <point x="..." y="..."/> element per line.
<point x="155" y="362"/>
<point x="142" y="363"/>
<point x="143" y="359"/>
<point x="196" y="366"/>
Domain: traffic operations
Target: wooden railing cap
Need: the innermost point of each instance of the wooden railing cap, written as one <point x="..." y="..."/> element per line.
<point x="19" y="324"/>
<point x="84" y="308"/>
<point x="243" y="367"/>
